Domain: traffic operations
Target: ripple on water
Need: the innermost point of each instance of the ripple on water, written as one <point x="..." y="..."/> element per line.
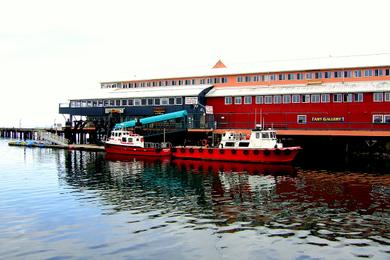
<point x="59" y="204"/>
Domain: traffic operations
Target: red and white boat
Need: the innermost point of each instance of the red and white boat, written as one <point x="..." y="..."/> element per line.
<point x="128" y="143"/>
<point x="261" y="146"/>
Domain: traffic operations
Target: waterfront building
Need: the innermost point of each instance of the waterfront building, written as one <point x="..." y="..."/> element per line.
<point x="328" y="93"/>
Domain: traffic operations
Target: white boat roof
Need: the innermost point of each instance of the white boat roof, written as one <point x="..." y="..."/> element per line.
<point x="169" y="91"/>
<point x="350" y="87"/>
<point x="310" y="64"/>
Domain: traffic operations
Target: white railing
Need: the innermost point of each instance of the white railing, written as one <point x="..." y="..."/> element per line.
<point x="53" y="138"/>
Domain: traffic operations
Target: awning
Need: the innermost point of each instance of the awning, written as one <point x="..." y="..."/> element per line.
<point x="147" y="92"/>
<point x="153" y="119"/>
<point x="356" y="87"/>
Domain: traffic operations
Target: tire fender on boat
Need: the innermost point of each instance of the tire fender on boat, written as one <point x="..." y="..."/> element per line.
<point x="234" y="151"/>
<point x="191" y="150"/>
<point x="267" y="152"/>
<point x="256" y="152"/>
<point x="200" y="150"/>
<point x="221" y="151"/>
<point x="182" y="150"/>
<point x="277" y="151"/>
<point x="245" y="152"/>
<point x="287" y="152"/>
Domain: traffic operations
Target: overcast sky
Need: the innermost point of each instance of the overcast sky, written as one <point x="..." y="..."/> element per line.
<point x="53" y="50"/>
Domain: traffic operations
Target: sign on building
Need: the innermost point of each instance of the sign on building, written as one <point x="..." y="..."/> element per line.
<point x="191" y="101"/>
<point x="209" y="110"/>
<point x="114" y="110"/>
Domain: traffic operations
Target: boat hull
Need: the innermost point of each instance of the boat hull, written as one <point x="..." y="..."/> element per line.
<point x="132" y="150"/>
<point x="274" y="155"/>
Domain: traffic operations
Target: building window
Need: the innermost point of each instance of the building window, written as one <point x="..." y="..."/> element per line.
<point x="256" y="78"/>
<point x="299" y="76"/>
<point x="268" y="100"/>
<point x="337" y="74"/>
<point x="378" y="72"/>
<point x="290" y="76"/>
<point x="315" y="98"/>
<point x="358" y="97"/>
<point x="150" y="101"/>
<point x="337" y="98"/>
<point x="378" y="97"/>
<point x="117" y="102"/>
<point x="247" y="100"/>
<point x="216" y="80"/>
<point x="296" y="98"/>
<point x="224" y="80"/>
<point x="387" y="96"/>
<point x="112" y="102"/>
<point x="239" y="79"/>
<point x="193" y="82"/>
<point x="327" y="74"/>
<point x="124" y="102"/>
<point x="286" y="99"/>
<point x="100" y="103"/>
<point x="357" y="73"/>
<point x="309" y="75"/>
<point x="157" y="102"/>
<point x="367" y="73"/>
<point x="248" y="79"/>
<point x="202" y="81"/>
<point x="187" y="82"/>
<point x="387" y="72"/>
<point x="173" y="82"/>
<point x="143" y="102"/>
<point x="325" y="98"/>
<point x="238" y="100"/>
<point x="318" y="75"/>
<point x="259" y="99"/>
<point x="377" y="119"/>
<point x="137" y="102"/>
<point x="164" y="101"/>
<point x="272" y="77"/>
<point x="347" y="74"/>
<point x="277" y="99"/>
<point x="148" y="84"/>
<point x="281" y="77"/>
<point x="348" y="97"/>
<point x="386" y="119"/>
<point x="306" y="98"/>
<point x="179" y="101"/>
<point x="228" y="100"/>
<point x="301" y="119"/>
<point x="130" y="102"/>
<point x="171" y="101"/>
<point x="180" y="82"/>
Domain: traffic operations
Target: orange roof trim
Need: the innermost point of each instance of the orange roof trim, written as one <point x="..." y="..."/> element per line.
<point x="219" y="65"/>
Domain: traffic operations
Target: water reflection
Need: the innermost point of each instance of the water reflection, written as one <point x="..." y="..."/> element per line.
<point x="239" y="196"/>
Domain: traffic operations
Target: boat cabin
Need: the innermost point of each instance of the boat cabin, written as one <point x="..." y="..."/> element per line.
<point x="258" y="138"/>
<point x="126" y="138"/>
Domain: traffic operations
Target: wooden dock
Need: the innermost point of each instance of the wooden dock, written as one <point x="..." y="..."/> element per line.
<point x="79" y="147"/>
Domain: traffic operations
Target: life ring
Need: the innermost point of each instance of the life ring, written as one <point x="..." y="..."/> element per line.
<point x="267" y="152"/>
<point x="204" y="142"/>
<point x="221" y="151"/>
<point x="246" y="152"/>
<point x="287" y="152"/>
<point x="234" y="151"/>
<point x="210" y="151"/>
<point x="182" y="150"/>
<point x="277" y="151"/>
<point x="256" y="152"/>
<point x="200" y="150"/>
<point x="191" y="150"/>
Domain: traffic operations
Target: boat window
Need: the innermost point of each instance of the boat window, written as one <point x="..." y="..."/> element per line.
<point x="129" y="139"/>
<point x="119" y="134"/>
<point x="273" y="135"/>
<point x="229" y="144"/>
<point x="243" y="144"/>
<point x="123" y="139"/>
<point x="137" y="139"/>
<point x="257" y="135"/>
<point x="265" y="135"/>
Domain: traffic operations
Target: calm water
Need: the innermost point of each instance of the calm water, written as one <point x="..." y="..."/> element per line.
<point x="68" y="204"/>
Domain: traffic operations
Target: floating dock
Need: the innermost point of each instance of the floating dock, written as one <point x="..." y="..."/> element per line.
<point x="79" y="147"/>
